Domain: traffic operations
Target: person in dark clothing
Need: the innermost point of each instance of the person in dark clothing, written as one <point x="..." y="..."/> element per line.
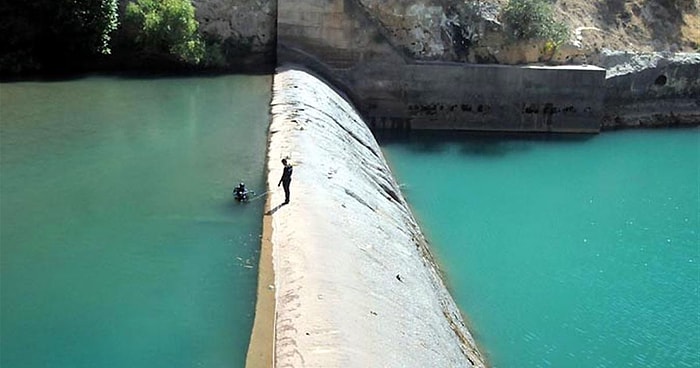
<point x="286" y="179"/>
<point x="240" y="193"/>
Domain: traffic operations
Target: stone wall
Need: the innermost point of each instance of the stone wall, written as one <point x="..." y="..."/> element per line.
<point x="491" y="97"/>
<point x="242" y="32"/>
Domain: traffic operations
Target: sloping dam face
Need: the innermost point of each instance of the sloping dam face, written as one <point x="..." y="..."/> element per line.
<point x="355" y="284"/>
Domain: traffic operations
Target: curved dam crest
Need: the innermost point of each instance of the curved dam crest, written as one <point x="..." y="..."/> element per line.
<point x="355" y="283"/>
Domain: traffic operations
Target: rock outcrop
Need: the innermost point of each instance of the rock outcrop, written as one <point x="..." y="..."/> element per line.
<point x="651" y="89"/>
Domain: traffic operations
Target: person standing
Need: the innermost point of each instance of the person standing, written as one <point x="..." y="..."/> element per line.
<point x="286" y="179"/>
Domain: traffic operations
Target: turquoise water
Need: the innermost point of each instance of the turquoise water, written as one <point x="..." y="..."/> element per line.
<point x="120" y="245"/>
<point x="566" y="252"/>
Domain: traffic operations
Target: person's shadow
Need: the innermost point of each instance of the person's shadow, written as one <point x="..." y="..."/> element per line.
<point x="272" y="211"/>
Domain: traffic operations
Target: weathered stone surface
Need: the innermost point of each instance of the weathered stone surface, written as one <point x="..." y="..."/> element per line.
<point x="416" y="26"/>
<point x="244" y="31"/>
<point x="651" y="89"/>
<point x="460" y="32"/>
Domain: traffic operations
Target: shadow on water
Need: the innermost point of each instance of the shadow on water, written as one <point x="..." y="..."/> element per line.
<point x="485" y="144"/>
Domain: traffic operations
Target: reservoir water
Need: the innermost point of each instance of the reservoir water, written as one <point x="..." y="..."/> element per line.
<point x="565" y="252"/>
<point x="120" y="244"/>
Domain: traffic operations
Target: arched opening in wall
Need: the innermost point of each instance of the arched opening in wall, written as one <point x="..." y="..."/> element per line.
<point x="661" y="80"/>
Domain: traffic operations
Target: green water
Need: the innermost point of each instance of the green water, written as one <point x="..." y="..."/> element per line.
<point x="120" y="245"/>
<point x="566" y="252"/>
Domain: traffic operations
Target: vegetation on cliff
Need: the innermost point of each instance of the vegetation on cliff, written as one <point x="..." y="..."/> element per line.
<point x="533" y="20"/>
<point x="535" y="31"/>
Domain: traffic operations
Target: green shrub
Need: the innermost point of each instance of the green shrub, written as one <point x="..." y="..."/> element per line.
<point x="533" y="20"/>
<point x="166" y="27"/>
<point x="106" y="24"/>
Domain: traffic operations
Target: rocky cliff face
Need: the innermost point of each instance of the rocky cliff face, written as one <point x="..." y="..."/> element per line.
<point x="473" y="31"/>
<point x="447" y="31"/>
<point x="651" y="89"/>
<point x="241" y="33"/>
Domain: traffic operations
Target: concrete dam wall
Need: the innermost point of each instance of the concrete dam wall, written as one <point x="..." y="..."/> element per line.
<point x="340" y="40"/>
<point x="355" y="283"/>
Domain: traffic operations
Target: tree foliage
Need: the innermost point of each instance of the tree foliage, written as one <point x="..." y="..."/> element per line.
<point x="533" y="20"/>
<point x="165" y="27"/>
<point x="42" y="35"/>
